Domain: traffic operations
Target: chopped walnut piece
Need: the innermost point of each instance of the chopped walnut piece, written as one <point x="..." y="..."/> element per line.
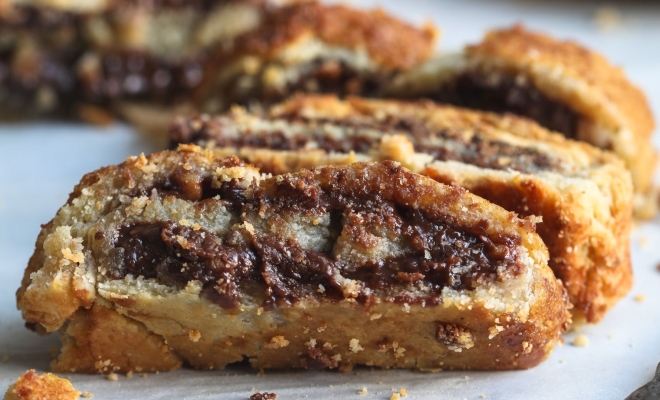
<point x="454" y="337"/>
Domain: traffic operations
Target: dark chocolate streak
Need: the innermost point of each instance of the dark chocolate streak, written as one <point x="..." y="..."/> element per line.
<point x="19" y="91"/>
<point x="134" y="75"/>
<point x="441" y="144"/>
<point x="317" y="76"/>
<point x="440" y="256"/>
<point x="475" y="90"/>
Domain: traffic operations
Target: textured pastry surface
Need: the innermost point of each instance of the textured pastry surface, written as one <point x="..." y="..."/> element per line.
<point x="583" y="195"/>
<point x="32" y="386"/>
<point x="183" y="257"/>
<point x="561" y="84"/>
<point x="312" y="47"/>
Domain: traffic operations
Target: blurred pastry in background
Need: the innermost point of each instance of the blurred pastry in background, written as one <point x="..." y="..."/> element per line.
<point x="314" y="48"/>
<point x="91" y="59"/>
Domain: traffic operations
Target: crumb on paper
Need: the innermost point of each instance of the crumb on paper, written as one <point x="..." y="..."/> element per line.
<point x="87" y="395"/>
<point x="581" y="341"/>
<point x="31" y="385"/>
<point x="483" y="395"/>
<point x="363" y="391"/>
<point x="639" y="298"/>
<point x="403" y="392"/>
<point x="129" y="374"/>
<point x="113" y="377"/>
<point x="263" y="396"/>
<point x="607" y="18"/>
<point x="643" y="242"/>
<point x="395" y="396"/>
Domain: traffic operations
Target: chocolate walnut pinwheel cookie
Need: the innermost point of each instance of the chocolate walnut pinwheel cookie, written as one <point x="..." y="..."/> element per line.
<point x="582" y="194"/>
<point x="183" y="257"/>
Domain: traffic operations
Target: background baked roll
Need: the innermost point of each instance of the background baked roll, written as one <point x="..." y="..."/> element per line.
<point x="183" y="257"/>
<point x="562" y="85"/>
<point x="39" y="47"/>
<point x="144" y="59"/>
<point x="317" y="48"/>
<point x="582" y="194"/>
<point x="92" y="59"/>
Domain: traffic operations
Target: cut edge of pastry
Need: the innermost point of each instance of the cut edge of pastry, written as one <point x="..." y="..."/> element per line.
<point x="586" y="210"/>
<point x="613" y="112"/>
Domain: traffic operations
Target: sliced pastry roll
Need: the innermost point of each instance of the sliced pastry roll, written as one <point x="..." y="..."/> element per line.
<point x="312" y="47"/>
<point x="183" y="257"/>
<point x="583" y="195"/>
<point x="562" y="85"/>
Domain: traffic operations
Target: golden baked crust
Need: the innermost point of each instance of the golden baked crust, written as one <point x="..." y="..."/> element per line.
<point x="612" y="112"/>
<point x="313" y="47"/>
<point x="389" y="41"/>
<point x="293" y="305"/>
<point x="583" y="195"/>
<point x="32" y="386"/>
<point x="615" y="101"/>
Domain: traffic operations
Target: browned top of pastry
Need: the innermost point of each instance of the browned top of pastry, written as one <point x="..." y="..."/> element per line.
<point x="525" y="47"/>
<point x="388" y="40"/>
<point x="32" y="386"/>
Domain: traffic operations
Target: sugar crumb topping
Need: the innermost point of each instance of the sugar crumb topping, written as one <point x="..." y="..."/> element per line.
<point x="277" y="342"/>
<point x="354" y="345"/>
<point x="194" y="335"/>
